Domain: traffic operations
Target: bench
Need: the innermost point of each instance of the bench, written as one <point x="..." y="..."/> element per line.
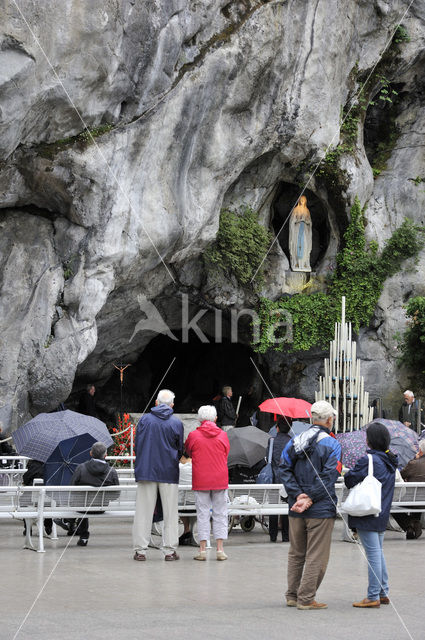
<point x="40" y="502"/>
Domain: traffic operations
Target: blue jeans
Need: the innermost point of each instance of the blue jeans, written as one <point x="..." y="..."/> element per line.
<point x="372" y="542"/>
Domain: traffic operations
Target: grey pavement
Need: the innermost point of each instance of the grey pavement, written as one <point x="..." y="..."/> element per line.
<point x="99" y="592"/>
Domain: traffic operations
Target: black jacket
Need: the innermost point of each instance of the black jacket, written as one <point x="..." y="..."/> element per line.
<point x="280" y="442"/>
<point x="5" y="448"/>
<point x="87" y="404"/>
<point x="35" y="470"/>
<point x="227" y="412"/>
<point x="97" y="474"/>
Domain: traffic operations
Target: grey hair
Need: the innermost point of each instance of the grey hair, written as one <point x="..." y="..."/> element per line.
<point x="165" y="396"/>
<point x="98" y="451"/>
<point x="409" y="393"/>
<point x="207" y="412"/>
<point x="422" y="446"/>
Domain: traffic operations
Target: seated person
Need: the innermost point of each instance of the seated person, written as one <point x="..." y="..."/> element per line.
<point x="97" y="473"/>
<point x="414" y="471"/>
<point x="35" y="471"/>
<point x="185" y="477"/>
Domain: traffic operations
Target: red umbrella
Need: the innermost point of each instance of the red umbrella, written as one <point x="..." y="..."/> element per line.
<point x="289" y="407"/>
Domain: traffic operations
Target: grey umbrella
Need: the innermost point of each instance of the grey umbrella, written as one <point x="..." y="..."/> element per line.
<point x="248" y="445"/>
<point x="40" y="436"/>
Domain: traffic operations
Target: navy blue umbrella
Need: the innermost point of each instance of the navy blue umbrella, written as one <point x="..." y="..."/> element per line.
<point x="39" y="437"/>
<point x="61" y="464"/>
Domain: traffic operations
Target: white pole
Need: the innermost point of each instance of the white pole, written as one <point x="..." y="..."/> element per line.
<point x="239" y="405"/>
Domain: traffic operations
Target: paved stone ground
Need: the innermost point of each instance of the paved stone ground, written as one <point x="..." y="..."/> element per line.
<point x="100" y="593"/>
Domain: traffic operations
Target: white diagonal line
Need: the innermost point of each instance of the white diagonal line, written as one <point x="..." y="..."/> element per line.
<point x="93" y="141"/>
<point x="340" y="514"/>
<point x="46" y="582"/>
<point x="333" y="139"/>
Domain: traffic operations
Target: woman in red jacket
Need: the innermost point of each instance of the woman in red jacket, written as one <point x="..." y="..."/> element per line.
<point x="208" y="446"/>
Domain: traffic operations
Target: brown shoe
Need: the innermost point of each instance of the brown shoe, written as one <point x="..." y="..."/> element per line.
<point x="367" y="604"/>
<point x="384" y="600"/>
<point x="140" y="557"/>
<point x="171" y="557"/>
<point x="291" y="603"/>
<point x="312" y="605"/>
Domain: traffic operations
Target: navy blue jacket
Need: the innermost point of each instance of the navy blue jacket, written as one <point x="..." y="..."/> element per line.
<point x="311" y="464"/>
<point x="159" y="446"/>
<point x="384" y="470"/>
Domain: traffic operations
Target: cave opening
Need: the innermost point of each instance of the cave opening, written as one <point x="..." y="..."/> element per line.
<point x="195" y="371"/>
<point x="285" y="199"/>
<point x="380" y="129"/>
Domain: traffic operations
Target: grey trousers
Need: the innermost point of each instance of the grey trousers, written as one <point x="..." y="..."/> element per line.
<point x="310" y="543"/>
<point x="145" y="505"/>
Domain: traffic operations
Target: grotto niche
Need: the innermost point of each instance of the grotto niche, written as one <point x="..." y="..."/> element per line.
<point x="286" y="198"/>
<point x="196" y="372"/>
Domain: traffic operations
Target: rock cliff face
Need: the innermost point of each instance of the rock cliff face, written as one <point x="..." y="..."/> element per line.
<point x="192" y="106"/>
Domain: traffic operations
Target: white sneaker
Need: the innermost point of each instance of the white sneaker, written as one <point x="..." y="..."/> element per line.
<point x="202" y="555"/>
<point x="221" y="555"/>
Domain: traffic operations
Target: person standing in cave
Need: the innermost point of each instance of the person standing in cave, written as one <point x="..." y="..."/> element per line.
<point x="87" y="404"/>
<point x="227" y="413"/>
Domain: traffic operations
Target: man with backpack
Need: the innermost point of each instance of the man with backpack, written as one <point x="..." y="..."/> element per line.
<point x="309" y="467"/>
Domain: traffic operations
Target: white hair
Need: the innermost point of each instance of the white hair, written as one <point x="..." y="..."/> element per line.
<point x="422" y="446"/>
<point x="165" y="396"/>
<point x="207" y="412"/>
<point x="409" y="393"/>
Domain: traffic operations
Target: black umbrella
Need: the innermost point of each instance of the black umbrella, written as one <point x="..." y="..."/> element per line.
<point x="248" y="445"/>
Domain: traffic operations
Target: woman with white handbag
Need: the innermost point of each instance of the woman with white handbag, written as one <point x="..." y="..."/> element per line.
<point x="378" y="467"/>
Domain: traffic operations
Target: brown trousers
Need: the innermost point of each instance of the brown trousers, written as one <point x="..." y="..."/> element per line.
<point x="310" y="543"/>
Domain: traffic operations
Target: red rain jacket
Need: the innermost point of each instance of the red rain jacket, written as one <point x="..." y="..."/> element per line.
<point x="208" y="446"/>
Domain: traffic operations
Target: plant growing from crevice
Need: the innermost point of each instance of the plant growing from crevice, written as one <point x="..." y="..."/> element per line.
<point x="84" y="138"/>
<point x="359" y="276"/>
<point x="240" y="246"/>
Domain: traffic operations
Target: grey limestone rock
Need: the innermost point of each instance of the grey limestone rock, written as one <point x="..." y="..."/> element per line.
<point x="211" y="103"/>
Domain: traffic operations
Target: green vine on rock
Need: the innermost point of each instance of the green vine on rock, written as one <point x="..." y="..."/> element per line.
<point x="240" y="246"/>
<point x="359" y="276"/>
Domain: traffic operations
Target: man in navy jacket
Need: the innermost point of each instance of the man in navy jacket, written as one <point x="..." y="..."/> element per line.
<point x="159" y="446"/>
<point x="309" y="467"/>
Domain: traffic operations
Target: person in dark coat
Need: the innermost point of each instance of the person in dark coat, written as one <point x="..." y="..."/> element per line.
<point x="280" y="441"/>
<point x="6" y="449"/>
<point x="96" y="472"/>
<point x="159" y="447"/>
<point x="87" y="404"/>
<point x="371" y="529"/>
<point x="414" y="471"/>
<point x="227" y="413"/>
<point x="408" y="413"/>
<point x="35" y="471"/>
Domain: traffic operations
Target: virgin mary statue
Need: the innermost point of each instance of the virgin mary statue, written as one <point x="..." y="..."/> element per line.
<point x="300" y="236"/>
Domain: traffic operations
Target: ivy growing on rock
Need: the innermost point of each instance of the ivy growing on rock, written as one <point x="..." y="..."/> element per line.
<point x="359" y="276"/>
<point x="240" y="246"/>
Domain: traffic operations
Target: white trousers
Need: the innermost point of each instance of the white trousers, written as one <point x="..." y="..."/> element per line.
<point x="145" y="505"/>
<point x="217" y="502"/>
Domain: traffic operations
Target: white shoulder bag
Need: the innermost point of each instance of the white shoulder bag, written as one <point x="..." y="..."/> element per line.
<point x="364" y="499"/>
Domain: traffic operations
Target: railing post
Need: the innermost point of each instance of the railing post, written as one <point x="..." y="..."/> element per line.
<point x="131" y="447"/>
<point x="40" y="519"/>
